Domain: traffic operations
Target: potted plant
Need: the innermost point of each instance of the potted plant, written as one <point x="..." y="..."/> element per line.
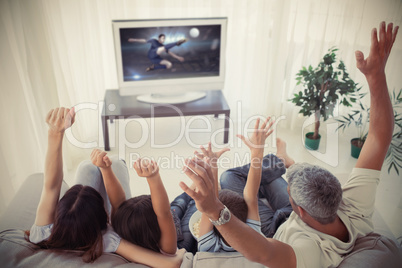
<point x="324" y="86"/>
<point x="358" y="117"/>
<point x="394" y="154"/>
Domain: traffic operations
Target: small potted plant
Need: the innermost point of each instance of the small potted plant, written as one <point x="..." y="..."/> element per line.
<point x="324" y="86"/>
<point x="359" y="117"/>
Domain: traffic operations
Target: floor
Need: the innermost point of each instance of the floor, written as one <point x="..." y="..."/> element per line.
<point x="170" y="140"/>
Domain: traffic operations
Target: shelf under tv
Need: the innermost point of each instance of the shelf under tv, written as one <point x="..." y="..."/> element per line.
<point x="121" y="107"/>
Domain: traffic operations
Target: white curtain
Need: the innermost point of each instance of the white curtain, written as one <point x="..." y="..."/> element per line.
<point x="60" y="53"/>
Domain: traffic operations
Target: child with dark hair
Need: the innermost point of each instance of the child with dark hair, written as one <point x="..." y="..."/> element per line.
<point x="243" y="207"/>
<point x="183" y="207"/>
<point x="79" y="220"/>
<point x="144" y="220"/>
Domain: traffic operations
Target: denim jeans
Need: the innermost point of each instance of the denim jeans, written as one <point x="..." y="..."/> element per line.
<point x="184" y="207"/>
<point x="90" y="175"/>
<point x="273" y="187"/>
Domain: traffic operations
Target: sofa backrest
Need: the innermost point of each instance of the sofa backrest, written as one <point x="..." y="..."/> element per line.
<point x="21" y="212"/>
<point x="15" y="252"/>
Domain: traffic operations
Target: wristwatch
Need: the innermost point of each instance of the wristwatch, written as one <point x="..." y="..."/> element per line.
<point x="224" y="217"/>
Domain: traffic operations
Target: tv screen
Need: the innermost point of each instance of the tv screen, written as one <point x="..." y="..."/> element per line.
<point x="197" y="48"/>
<point x="160" y="56"/>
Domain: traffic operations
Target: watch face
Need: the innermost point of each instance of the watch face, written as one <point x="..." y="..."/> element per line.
<point x="226" y="216"/>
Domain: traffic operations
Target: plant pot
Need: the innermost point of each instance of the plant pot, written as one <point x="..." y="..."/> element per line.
<point x="355" y="148"/>
<point x="310" y="143"/>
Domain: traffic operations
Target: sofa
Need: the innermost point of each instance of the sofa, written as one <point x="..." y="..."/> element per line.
<point x="375" y="250"/>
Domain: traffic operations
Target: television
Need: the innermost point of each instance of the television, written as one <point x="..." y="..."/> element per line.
<point x="170" y="60"/>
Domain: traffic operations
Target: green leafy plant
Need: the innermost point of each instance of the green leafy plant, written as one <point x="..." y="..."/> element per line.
<point x="358" y="117"/>
<point x="394" y="154"/>
<point x="324" y="86"/>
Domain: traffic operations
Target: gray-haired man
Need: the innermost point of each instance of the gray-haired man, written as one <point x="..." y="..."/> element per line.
<point x="327" y="219"/>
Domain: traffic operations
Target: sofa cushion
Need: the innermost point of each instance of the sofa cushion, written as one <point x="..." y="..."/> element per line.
<point x="21" y="212"/>
<point x="373" y="250"/>
<point x="15" y="251"/>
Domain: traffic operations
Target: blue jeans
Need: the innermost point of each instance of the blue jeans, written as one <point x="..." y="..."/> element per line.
<point x="184" y="207"/>
<point x="273" y="187"/>
<point x="90" y="175"/>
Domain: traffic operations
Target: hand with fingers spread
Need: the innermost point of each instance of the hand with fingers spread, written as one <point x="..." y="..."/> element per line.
<point x="213" y="156"/>
<point x="260" y="134"/>
<point x="382" y="121"/>
<point x="204" y="193"/>
<point x="100" y="159"/>
<point x="146" y="168"/>
<point x="380" y="49"/>
<point x="59" y="119"/>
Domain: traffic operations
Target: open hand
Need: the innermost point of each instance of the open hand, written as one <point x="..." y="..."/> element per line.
<point x="260" y="134"/>
<point x="59" y="119"/>
<point x="203" y="193"/>
<point x="208" y="153"/>
<point x="379" y="51"/>
<point x="146" y="168"/>
<point x="100" y="159"/>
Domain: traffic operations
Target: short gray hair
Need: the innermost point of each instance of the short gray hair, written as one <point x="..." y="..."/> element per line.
<point x="316" y="190"/>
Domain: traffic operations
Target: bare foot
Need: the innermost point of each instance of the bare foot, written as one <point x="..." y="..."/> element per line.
<point x="282" y="154"/>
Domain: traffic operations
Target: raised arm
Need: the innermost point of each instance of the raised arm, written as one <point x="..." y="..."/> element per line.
<point x="160" y="204"/>
<point x="133" y="40"/>
<point x="256" y="145"/>
<point x="212" y="158"/>
<point x="113" y="187"/>
<point x="148" y="257"/>
<point x="381" y="113"/>
<point x="59" y="120"/>
<point x="240" y="236"/>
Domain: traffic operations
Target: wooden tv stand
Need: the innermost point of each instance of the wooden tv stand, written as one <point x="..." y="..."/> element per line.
<point x="121" y="107"/>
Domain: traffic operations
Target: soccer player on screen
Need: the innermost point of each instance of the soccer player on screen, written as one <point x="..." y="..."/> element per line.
<point x="157" y="48"/>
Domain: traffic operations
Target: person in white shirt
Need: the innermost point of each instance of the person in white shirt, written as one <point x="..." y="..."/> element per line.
<point x="327" y="219"/>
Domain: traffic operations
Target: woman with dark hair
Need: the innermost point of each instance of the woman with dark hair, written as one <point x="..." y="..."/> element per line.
<point x="79" y="220"/>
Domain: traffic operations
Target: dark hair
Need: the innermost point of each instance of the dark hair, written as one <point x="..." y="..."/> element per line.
<point x="135" y="221"/>
<point x="80" y="218"/>
<point x="161" y="35"/>
<point x="235" y="203"/>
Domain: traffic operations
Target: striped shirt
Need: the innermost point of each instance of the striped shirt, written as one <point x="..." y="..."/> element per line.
<point x="211" y="242"/>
